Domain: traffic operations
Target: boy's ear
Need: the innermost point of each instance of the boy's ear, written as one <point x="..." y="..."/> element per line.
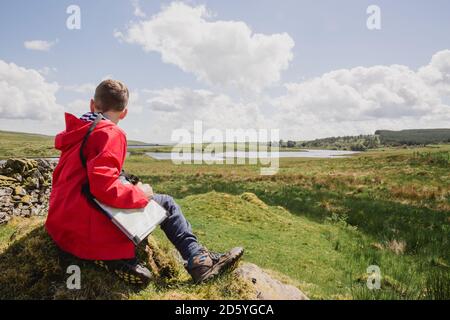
<point x="92" y="105"/>
<point x="123" y="114"/>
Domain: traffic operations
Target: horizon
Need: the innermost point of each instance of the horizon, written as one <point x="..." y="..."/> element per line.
<point x="163" y="143"/>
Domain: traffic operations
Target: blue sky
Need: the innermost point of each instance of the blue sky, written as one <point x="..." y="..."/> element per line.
<point x="327" y="36"/>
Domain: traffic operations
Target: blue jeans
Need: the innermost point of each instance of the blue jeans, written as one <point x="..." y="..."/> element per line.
<point x="176" y="227"/>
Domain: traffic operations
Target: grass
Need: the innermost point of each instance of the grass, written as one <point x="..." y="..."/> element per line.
<point x="382" y="207"/>
<point x="33" y="268"/>
<point x="318" y="224"/>
<point x="18" y="144"/>
<point x="13" y="144"/>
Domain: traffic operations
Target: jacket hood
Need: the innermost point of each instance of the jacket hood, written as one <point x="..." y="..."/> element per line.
<point x="75" y="131"/>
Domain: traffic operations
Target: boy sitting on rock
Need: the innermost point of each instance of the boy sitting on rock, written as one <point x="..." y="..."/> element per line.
<point x="79" y="228"/>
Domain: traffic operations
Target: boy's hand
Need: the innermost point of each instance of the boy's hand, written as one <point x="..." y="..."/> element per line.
<point x="148" y="190"/>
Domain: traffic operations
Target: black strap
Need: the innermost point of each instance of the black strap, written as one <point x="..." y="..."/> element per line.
<point x="91" y="128"/>
<point x="130" y="177"/>
<point x="85" y="189"/>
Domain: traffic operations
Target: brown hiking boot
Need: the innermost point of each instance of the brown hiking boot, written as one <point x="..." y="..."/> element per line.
<point x="205" y="265"/>
<point x="129" y="270"/>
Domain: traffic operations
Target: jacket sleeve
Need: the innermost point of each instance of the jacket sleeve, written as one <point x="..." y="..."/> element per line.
<point x="103" y="173"/>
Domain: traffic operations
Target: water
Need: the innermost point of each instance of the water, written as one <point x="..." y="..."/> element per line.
<point x="143" y="146"/>
<point x="308" y="153"/>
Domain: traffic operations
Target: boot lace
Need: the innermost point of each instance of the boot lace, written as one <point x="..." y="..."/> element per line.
<point x="215" y="256"/>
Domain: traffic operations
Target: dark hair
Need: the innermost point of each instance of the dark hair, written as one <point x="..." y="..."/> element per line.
<point x="111" y="95"/>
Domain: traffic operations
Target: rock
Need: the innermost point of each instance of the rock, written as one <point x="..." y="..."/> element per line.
<point x="26" y="199"/>
<point x="4" y="217"/>
<point x="45" y="165"/>
<point x="5" y="200"/>
<point x="36" y="210"/>
<point x="32" y="183"/>
<point x="6" y="182"/>
<point x="16" y="211"/>
<point x="34" y="197"/>
<point x="266" y="287"/>
<point x="17" y="176"/>
<point x="20" y="165"/>
<point x="25" y="213"/>
<point x="25" y="187"/>
<point x="19" y="191"/>
<point x="5" y="192"/>
<point x="6" y="178"/>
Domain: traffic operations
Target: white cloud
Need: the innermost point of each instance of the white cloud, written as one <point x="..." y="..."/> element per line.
<point x="84" y="88"/>
<point x="169" y="109"/>
<point x="363" y="99"/>
<point x="39" y="45"/>
<point x="134" y="103"/>
<point x="81" y="106"/>
<point x="341" y="102"/>
<point x="25" y="94"/>
<point x="437" y="73"/>
<point x="216" y="52"/>
<point x="45" y="71"/>
<point x="183" y="105"/>
<point x="137" y="9"/>
<point x="108" y="76"/>
<point x="78" y="107"/>
<point x="87" y="88"/>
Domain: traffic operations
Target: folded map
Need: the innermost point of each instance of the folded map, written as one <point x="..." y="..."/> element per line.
<point x="137" y="224"/>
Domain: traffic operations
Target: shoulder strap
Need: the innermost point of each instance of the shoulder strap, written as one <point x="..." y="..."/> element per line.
<point x="91" y="128"/>
<point x="85" y="189"/>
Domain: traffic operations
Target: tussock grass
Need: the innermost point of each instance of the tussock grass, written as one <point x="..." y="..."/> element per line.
<point x="381" y="197"/>
<point x="16" y="145"/>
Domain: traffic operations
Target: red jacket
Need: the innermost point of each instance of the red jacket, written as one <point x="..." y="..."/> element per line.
<point x="73" y="222"/>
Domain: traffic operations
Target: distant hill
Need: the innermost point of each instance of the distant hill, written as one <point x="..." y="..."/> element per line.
<point x="24" y="135"/>
<point x="21" y="144"/>
<point x="414" y="136"/>
<point x="138" y="143"/>
<point x="381" y="138"/>
<point x="353" y="143"/>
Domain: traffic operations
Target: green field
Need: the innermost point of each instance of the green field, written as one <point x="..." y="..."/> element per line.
<point x="13" y="144"/>
<point x="323" y="222"/>
<point x="18" y="144"/>
<point x="317" y="224"/>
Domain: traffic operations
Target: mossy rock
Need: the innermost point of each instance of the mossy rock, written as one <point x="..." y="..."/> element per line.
<point x="162" y="263"/>
<point x="5" y="178"/>
<point x="32" y="267"/>
<point x="19" y="165"/>
<point x="26" y="199"/>
<point x="19" y="191"/>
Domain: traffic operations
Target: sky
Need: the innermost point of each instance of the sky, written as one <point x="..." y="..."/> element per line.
<point x="311" y="69"/>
